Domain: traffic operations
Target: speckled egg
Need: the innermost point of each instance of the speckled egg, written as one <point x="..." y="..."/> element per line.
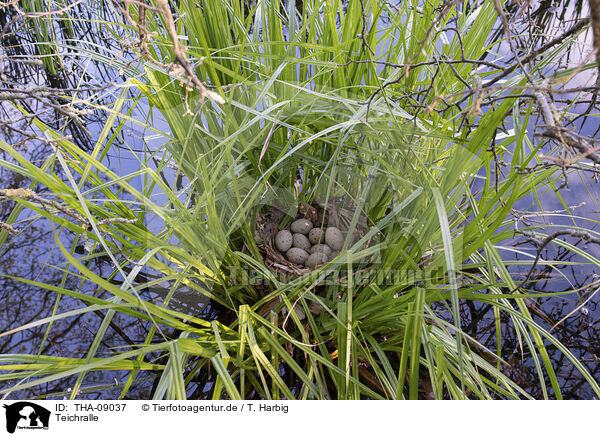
<point x="334" y="238"/>
<point x="316" y="235"/>
<point x="301" y="226"/>
<point x="321" y="248"/>
<point x="301" y="241"/>
<point x="297" y="255"/>
<point x="315" y="259"/>
<point x="284" y="240"/>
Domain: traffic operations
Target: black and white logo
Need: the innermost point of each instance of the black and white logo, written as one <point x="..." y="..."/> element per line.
<point x="26" y="415"/>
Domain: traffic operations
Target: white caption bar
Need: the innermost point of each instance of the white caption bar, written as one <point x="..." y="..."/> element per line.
<point x="107" y="418"/>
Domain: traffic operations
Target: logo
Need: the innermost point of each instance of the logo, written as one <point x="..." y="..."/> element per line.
<point x="26" y="415"/>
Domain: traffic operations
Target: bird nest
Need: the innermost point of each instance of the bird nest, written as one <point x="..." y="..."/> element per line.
<point x="334" y="213"/>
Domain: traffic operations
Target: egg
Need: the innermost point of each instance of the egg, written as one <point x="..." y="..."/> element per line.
<point x="321" y="248"/>
<point x="316" y="235"/>
<point x="334" y="238"/>
<point x="301" y="226"/>
<point x="301" y="241"/>
<point x="315" y="259"/>
<point x="284" y="240"/>
<point x="297" y="255"/>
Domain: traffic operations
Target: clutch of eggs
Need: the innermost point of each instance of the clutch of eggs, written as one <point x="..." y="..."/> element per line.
<point x="310" y="246"/>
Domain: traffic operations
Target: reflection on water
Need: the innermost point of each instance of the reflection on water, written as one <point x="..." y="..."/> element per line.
<point x="33" y="255"/>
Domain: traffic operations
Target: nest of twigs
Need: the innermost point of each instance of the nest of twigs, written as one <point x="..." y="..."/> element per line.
<point x="333" y="213"/>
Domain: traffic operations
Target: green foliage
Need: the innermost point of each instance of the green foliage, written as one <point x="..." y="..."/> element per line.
<point x="313" y="108"/>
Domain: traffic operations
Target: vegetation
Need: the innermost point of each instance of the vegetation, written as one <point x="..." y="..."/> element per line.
<point x="411" y="113"/>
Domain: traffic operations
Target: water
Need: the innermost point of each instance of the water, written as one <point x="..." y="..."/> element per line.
<point x="33" y="255"/>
